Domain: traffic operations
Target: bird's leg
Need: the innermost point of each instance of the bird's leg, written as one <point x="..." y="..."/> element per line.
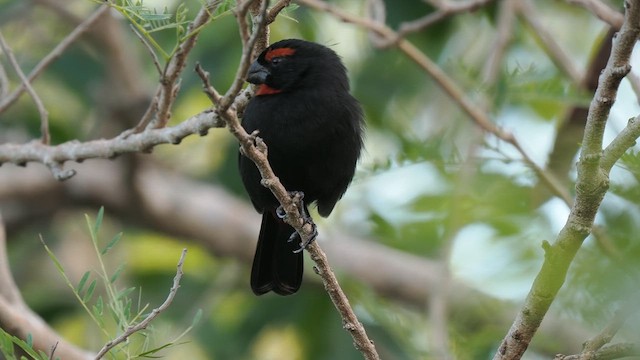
<point x="298" y="197"/>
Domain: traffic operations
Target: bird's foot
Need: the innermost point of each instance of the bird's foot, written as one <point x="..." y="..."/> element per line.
<point x="297" y="197"/>
<point x="306" y="220"/>
<point x="296" y="237"/>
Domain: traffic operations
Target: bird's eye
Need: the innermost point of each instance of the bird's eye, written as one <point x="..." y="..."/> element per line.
<point x="277" y="60"/>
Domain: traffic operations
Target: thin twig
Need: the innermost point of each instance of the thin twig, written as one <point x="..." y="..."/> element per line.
<point x="248" y="44"/>
<point x="53" y="55"/>
<point x="622" y="142"/>
<point x="145" y="42"/>
<point x="170" y="75"/>
<point x="44" y="114"/>
<point x="209" y="90"/>
<point x="53" y="351"/>
<point x="108" y="148"/>
<point x="146" y="118"/>
<point x="154" y="313"/>
<point x="276" y="9"/>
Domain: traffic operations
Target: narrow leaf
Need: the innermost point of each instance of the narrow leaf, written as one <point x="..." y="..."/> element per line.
<point x="52" y="256"/>
<point x="98" y="308"/>
<point x="89" y="293"/>
<point x="116" y="274"/>
<point x="98" y="224"/>
<point x="83" y="280"/>
<point x="111" y="243"/>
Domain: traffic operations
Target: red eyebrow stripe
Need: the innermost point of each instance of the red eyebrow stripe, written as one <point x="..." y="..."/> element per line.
<point x="273" y="53"/>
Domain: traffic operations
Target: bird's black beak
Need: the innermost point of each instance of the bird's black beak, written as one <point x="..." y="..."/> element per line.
<point x="257" y="73"/>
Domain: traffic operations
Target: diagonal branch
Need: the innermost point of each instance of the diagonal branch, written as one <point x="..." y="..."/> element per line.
<point x="55" y="156"/>
<point x="591" y="186"/>
<point x="170" y="80"/>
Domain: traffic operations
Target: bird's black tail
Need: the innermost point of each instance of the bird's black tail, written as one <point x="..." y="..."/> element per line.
<point x="275" y="267"/>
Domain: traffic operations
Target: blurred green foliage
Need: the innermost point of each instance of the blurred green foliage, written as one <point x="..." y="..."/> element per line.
<point x="410" y="122"/>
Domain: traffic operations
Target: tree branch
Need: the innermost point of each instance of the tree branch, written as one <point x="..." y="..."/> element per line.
<point x="55" y="156"/>
<point x="169" y="82"/>
<point x="591" y="185"/>
<point x="622" y="142"/>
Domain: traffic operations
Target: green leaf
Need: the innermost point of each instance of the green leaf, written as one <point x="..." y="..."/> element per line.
<point x="53" y="257"/>
<point x="83" y="280"/>
<point x="124" y="293"/>
<point x="223" y="9"/>
<point x="98" y="224"/>
<point x="148" y="354"/>
<point x="127" y="308"/>
<point x="25" y="346"/>
<point x="116" y="274"/>
<point x="196" y="318"/>
<point x="98" y="307"/>
<point x="90" y="291"/>
<point x="111" y="243"/>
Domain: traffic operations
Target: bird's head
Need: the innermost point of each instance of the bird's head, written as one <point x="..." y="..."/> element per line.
<point x="293" y="64"/>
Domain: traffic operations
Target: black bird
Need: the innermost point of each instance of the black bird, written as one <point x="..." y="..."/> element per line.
<point x="313" y="128"/>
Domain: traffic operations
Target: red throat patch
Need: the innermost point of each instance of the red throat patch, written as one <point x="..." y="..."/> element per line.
<point x="265" y="89"/>
<point x="274" y="53"/>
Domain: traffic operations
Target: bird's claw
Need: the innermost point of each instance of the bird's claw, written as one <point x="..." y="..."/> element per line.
<point x="306" y="218"/>
<point x="304" y="245"/>
<point x="297" y="197"/>
<point x="281" y="213"/>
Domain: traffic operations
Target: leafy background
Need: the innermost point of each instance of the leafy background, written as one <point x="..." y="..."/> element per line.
<point x="430" y="184"/>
